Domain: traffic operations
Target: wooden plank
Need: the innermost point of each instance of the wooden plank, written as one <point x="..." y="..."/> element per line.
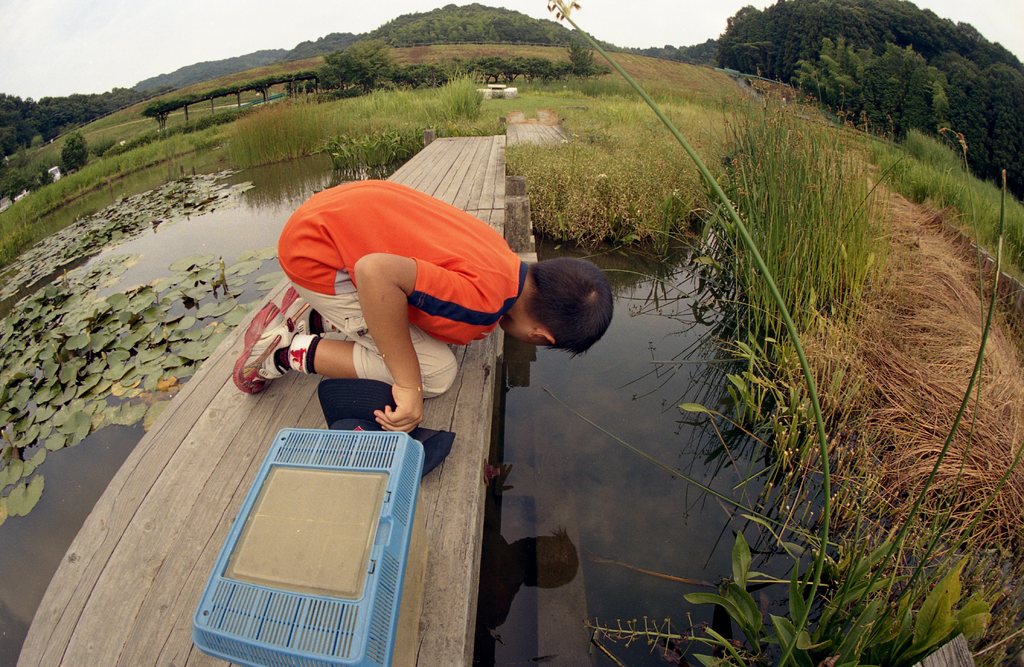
<point x="438" y="172"/>
<point x="472" y="203"/>
<point x="231" y="420"/>
<point x="481" y="153"/>
<point x="170" y="599"/>
<point x="954" y="654"/>
<point x="126" y="592"/>
<point x="489" y="198"/>
<point x="424" y="163"/>
<point x="449" y="607"/>
<point x="177" y="647"/>
<point x="70" y="587"/>
<point x="449" y="187"/>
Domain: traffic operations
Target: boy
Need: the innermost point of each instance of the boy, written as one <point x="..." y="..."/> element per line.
<point x="395" y="276"/>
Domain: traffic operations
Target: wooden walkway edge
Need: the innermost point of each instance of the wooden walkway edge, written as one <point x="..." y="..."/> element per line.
<point x="126" y="590"/>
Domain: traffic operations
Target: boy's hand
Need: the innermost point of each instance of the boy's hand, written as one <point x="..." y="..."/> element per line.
<point x="408" y="412"/>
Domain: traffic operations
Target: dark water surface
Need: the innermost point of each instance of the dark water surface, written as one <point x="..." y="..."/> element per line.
<point x="581" y="514"/>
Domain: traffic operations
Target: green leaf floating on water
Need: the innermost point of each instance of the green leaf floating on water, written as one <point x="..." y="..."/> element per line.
<point x="215" y="308"/>
<point x="262" y="254"/>
<point x="24" y="497"/>
<point x="244" y="268"/>
<point x="153" y="413"/>
<point x="269" y="280"/>
<point x="188" y="262"/>
<point x="76" y="427"/>
<point x="126" y="414"/>
<point x="56" y="441"/>
<point x="34" y="462"/>
<point x="118" y="301"/>
<point x="239" y="313"/>
<point x="78" y="342"/>
<point x="12" y="472"/>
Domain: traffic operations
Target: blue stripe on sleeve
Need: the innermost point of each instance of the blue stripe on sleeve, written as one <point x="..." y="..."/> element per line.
<point x="431" y="305"/>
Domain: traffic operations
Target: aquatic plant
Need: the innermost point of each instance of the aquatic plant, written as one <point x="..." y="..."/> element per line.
<point x="374" y="152"/>
<point x="75" y="358"/>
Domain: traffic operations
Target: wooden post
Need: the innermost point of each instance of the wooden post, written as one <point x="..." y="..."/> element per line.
<point x="515" y="186"/>
<point x="428" y="136"/>
<point x="954" y="654"/>
<point x="518" y="229"/>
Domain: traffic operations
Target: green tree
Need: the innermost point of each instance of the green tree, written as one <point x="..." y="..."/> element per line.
<point x="581" y="60"/>
<point x="75" y="152"/>
<point x="1006" y="125"/>
<point x="364" y="64"/>
<point x="899" y="91"/>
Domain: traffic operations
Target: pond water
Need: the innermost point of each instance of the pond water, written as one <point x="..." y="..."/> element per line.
<point x="577" y="527"/>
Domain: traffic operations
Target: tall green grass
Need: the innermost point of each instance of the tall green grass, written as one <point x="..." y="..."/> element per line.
<point x="925" y="171"/>
<point x="807" y="202"/>
<point x="294" y="129"/>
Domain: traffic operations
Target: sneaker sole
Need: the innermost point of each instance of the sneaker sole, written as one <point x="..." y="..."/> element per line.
<point x="245" y="379"/>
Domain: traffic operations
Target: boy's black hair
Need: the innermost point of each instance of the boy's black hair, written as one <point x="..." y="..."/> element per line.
<point x="573" y="300"/>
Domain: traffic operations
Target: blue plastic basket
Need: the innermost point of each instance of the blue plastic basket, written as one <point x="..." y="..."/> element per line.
<point x="267" y="622"/>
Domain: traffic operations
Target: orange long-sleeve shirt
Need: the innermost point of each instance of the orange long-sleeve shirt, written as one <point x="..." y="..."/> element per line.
<point x="466" y="275"/>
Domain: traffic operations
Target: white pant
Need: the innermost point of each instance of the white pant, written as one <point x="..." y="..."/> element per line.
<point x="437" y="362"/>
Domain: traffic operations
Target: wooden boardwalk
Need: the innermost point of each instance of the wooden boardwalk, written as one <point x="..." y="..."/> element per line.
<point x="535" y="133"/>
<point x="126" y="590"/>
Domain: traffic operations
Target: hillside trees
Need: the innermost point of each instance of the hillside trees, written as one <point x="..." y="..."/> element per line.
<point x="890" y="67"/>
<point x="581" y="59"/>
<point x="75" y="152"/>
<point x="22" y="120"/>
<point x="470" y="23"/>
<point x="364" y="64"/>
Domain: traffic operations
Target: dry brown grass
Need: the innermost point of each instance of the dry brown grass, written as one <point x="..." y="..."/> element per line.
<point x="918" y="345"/>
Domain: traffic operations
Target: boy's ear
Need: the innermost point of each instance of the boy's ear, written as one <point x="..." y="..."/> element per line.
<point x="541" y="336"/>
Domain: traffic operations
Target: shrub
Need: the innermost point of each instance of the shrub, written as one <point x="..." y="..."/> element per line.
<point x="75" y="152"/>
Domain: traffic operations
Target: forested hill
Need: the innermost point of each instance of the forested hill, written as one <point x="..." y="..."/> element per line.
<point x="470" y="23"/>
<point x="889" y="67"/>
<point x="205" y="71"/>
<point x="774" y="40"/>
<point x="450" y="25"/>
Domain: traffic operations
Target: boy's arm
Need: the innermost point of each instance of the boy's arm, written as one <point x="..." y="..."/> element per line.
<point x="384" y="282"/>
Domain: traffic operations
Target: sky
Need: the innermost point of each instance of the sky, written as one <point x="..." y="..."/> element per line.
<point x="60" y="47"/>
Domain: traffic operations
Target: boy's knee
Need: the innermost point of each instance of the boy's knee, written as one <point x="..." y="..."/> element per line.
<point x="440" y="378"/>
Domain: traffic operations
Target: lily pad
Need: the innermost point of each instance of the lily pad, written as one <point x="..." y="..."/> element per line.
<point x="216" y="308"/>
<point x="56" y="441"/>
<point x="268" y="252"/>
<point x="77" y="426"/>
<point x="238" y="314"/>
<point x="12" y="472"/>
<point x="153" y="413"/>
<point x="244" y="268"/>
<point x="34" y="462"/>
<point x="127" y="414"/>
<point x="189" y="262"/>
<point x="24" y="497"/>
<point x="268" y="280"/>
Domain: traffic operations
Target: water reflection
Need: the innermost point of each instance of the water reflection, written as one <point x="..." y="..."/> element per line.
<point x="644" y="536"/>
